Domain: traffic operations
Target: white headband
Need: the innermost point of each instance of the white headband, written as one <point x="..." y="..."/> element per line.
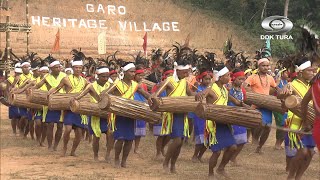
<point x="69" y="69"/>
<point x="54" y="63"/>
<point x="18" y="65"/>
<point x="44" y="68"/>
<point x="303" y="66"/>
<point x="18" y="70"/>
<point x="128" y="66"/>
<point x="25" y="63"/>
<point x="181" y="67"/>
<point x="263" y="60"/>
<point x="77" y="63"/>
<point x="223" y="71"/>
<point x="32" y="69"/>
<point x="102" y="70"/>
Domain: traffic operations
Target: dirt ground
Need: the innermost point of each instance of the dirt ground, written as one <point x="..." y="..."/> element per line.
<point x="24" y="159"/>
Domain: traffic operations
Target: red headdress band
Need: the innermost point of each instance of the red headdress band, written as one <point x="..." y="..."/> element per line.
<point x="140" y="71"/>
<point x="113" y="72"/>
<point x="237" y="74"/>
<point x="202" y="75"/>
<point x="168" y="72"/>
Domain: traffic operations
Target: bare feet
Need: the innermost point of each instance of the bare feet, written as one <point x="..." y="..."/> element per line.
<point x="223" y="173"/>
<point x="234" y="163"/>
<point x="163" y="153"/>
<point x="123" y="164"/>
<point x="173" y="170"/>
<point x="211" y="177"/>
<point x="258" y="150"/>
<point x="95" y="158"/>
<point x="73" y="154"/>
<point x="195" y="159"/>
<point x="64" y="151"/>
<point x="158" y="157"/>
<point x="107" y="159"/>
<point x="165" y="167"/>
<point x="136" y="151"/>
<point x="255" y="141"/>
<point x="117" y="164"/>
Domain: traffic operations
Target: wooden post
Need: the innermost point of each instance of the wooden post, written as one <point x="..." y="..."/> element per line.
<point x="27" y="21"/>
<point x="8" y="35"/>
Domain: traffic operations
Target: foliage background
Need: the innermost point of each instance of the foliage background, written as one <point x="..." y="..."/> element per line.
<point x="250" y="13"/>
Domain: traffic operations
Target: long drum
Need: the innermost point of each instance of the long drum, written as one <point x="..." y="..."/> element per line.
<point x="20" y="100"/>
<point x="264" y="101"/>
<point x="148" y="83"/>
<point x="293" y="103"/>
<point x="229" y="115"/>
<point x="128" y="108"/>
<point x="183" y="104"/>
<point x="61" y="101"/>
<point x="37" y="96"/>
<point x="87" y="108"/>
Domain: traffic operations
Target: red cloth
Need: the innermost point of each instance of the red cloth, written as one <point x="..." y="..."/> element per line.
<point x="145" y="41"/>
<point x="237" y="74"/>
<point x="56" y="45"/>
<point x="315" y="91"/>
<point x="316" y="96"/>
<point x="139" y="71"/>
<point x="112" y="72"/>
<point x="316" y="132"/>
<point x="154" y="89"/>
<point x="200" y="76"/>
<point x="144" y="87"/>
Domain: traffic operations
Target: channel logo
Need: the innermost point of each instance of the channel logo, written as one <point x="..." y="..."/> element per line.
<point x="276" y="24"/>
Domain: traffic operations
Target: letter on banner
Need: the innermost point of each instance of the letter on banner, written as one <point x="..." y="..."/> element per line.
<point x="102" y="43"/>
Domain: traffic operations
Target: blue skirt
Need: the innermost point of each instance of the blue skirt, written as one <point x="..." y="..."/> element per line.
<point x="199" y="127"/>
<point x="157" y="129"/>
<point x="224" y="138"/>
<point x="103" y="125"/>
<point x="240" y="134"/>
<point x="38" y="115"/>
<point x="266" y="116"/>
<point x="307" y="141"/>
<point x="73" y="119"/>
<point x="140" y="128"/>
<point x="14" y="112"/>
<point x="23" y="112"/>
<point x="53" y="116"/>
<point x="177" y="126"/>
<point x="30" y="115"/>
<point x="124" y="128"/>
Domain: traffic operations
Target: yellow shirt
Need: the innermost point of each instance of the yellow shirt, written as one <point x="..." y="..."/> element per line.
<point x="222" y="99"/>
<point x="294" y="122"/>
<point x="167" y="118"/>
<point x="78" y="84"/>
<point x="24" y="78"/>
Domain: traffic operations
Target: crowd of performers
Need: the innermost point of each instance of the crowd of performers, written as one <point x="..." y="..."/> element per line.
<point x="175" y="75"/>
